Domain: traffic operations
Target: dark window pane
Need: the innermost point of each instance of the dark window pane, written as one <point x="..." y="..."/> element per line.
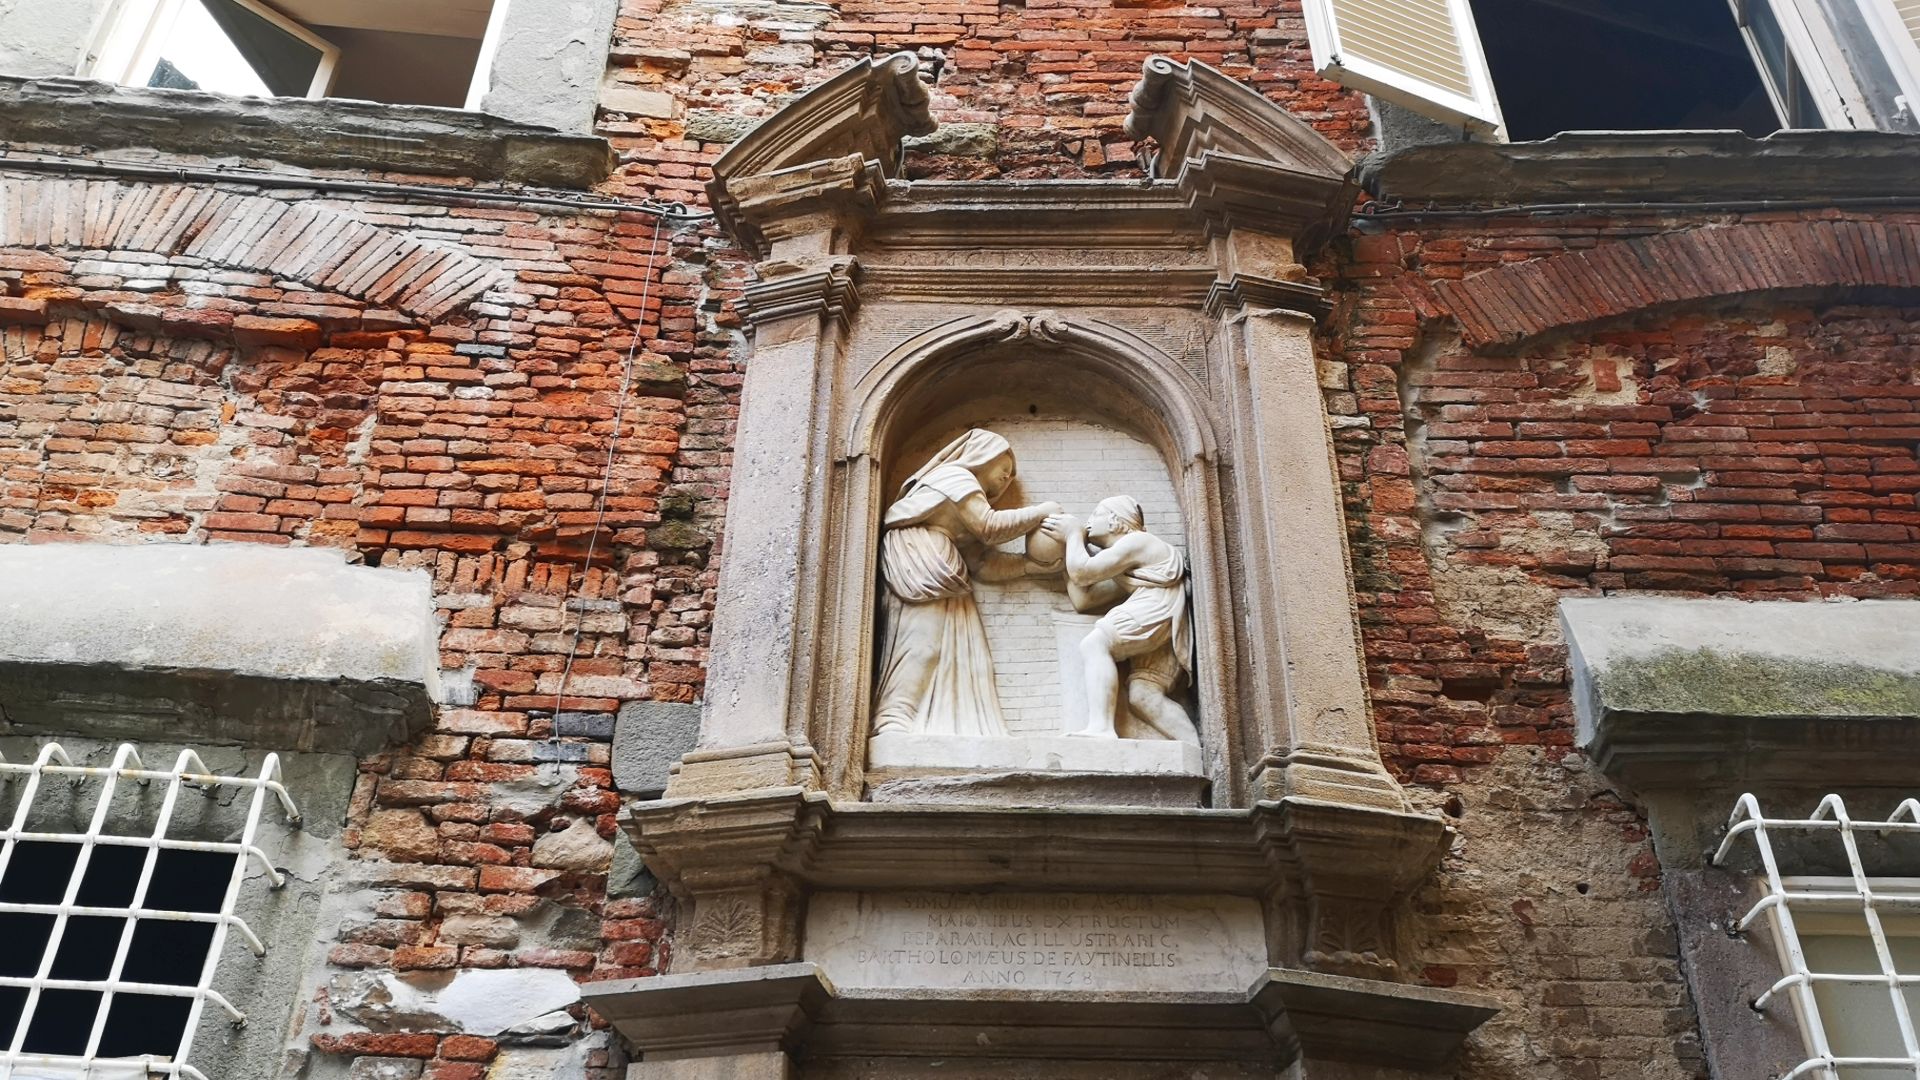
<point x="87" y="947"/>
<point x="62" y="1021"/>
<point x="144" y="1024"/>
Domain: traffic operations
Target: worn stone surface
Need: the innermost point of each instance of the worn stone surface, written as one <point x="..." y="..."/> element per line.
<point x="649" y="737"/>
<point x="1043" y="941"/>
<point x="329" y="133"/>
<point x="548" y="67"/>
<point x="320" y="655"/>
<point x="577" y="848"/>
<point x="1722" y="658"/>
<point x="45" y="37"/>
<point x="306" y="615"/>
<point x="477" y="1002"/>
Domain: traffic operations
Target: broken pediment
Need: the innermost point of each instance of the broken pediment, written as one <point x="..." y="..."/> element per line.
<point x="858" y="117"/>
<point x="1236" y="154"/>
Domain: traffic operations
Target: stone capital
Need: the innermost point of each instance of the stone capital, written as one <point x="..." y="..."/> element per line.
<point x="828" y="287"/>
<point x="806" y="211"/>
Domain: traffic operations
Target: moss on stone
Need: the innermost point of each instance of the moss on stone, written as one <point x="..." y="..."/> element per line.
<point x="1706" y="681"/>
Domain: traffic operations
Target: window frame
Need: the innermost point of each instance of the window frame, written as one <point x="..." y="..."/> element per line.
<point x="1820" y="900"/>
<point x="1901" y="47"/>
<point x="1817" y="59"/>
<point x="1818" y="62"/>
<point x="132" y="32"/>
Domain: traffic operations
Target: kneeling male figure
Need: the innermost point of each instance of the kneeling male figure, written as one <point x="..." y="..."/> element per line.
<point x="1113" y="562"/>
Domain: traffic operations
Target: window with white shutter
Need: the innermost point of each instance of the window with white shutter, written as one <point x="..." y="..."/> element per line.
<point x="1896" y="23"/>
<point x="1424" y="54"/>
<point x="1628" y="65"/>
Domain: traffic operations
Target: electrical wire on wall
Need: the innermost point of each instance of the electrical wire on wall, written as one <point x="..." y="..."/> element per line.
<point x="575" y="595"/>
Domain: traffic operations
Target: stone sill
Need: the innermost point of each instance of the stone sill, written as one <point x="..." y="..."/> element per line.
<point x="323" y="134"/>
<point x="1033" y="771"/>
<point x="1681" y="691"/>
<point x="1284" y="1015"/>
<point x="1704" y="167"/>
<point x="839" y="845"/>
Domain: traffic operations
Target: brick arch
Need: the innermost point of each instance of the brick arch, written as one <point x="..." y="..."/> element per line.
<point x="289" y="238"/>
<point x="1509" y="304"/>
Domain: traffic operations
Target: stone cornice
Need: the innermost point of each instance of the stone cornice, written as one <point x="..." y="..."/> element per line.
<point x="1687" y="692"/>
<point x="330" y="133"/>
<point x="831" y="289"/>
<point x="1294" y="847"/>
<point x="1248" y="291"/>
<point x="1610" y="168"/>
<point x="795" y="1008"/>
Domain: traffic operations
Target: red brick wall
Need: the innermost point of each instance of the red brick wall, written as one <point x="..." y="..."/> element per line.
<point x="1758" y="444"/>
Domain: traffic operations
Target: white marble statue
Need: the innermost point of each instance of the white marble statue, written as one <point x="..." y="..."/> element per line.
<point x="936" y="673"/>
<point x="1114" y="563"/>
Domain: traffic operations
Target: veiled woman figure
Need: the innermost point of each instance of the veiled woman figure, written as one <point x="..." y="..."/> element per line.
<point x="936" y="673"/>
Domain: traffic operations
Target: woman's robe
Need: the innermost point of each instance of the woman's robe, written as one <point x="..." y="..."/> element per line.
<point x="929" y="614"/>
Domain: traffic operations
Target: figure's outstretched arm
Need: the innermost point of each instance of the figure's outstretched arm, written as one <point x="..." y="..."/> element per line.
<point x="1002" y="566"/>
<point x="999" y="526"/>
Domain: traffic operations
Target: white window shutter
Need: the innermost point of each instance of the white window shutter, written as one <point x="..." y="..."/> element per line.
<point x="1423" y="54"/>
<point x="1897" y="24"/>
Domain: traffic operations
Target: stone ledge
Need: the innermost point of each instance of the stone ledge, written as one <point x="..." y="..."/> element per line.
<point x="1033" y="771"/>
<point x="795" y="1008"/>
<point x="1702" y="167"/>
<point x="743" y="863"/>
<point x="332" y="134"/>
<point x="281" y="648"/>
<point x="1670" y="690"/>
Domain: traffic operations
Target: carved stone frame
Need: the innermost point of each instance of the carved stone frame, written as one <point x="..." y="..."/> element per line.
<point x="766" y="810"/>
<point x="841" y="711"/>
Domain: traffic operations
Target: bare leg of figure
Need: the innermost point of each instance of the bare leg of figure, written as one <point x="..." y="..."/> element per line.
<point x="1152" y="706"/>
<point x="1103" y="684"/>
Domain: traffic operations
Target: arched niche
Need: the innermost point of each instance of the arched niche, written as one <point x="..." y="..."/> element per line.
<point x="1091" y="411"/>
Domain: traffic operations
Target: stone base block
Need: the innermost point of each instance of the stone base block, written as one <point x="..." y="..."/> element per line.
<point x="1046" y="771"/>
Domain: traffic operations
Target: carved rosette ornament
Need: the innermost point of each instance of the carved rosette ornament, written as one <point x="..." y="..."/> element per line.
<point x="855" y="776"/>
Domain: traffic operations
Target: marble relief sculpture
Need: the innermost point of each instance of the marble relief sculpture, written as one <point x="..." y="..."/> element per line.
<point x="1114" y="563"/>
<point x="936" y="673"/>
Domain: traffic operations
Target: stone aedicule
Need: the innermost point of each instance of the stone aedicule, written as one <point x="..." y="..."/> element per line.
<point x="1203" y="760"/>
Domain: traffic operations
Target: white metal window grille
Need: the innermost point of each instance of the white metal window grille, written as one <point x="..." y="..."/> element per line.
<point x="73" y="914"/>
<point x="1843" y="941"/>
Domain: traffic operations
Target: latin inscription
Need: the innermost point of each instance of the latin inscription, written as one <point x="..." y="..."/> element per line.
<point x="1036" y="941"/>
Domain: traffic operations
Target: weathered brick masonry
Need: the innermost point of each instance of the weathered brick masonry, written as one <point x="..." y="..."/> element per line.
<point x="1528" y="407"/>
<point x="432" y="382"/>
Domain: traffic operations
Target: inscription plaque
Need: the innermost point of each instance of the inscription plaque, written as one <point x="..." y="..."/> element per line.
<point x="1037" y="941"/>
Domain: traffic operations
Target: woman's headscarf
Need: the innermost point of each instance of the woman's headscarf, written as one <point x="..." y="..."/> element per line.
<point x="972" y="450"/>
<point x="955" y="464"/>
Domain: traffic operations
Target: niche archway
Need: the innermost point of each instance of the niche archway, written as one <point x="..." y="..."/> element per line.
<point x="1090" y="408"/>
